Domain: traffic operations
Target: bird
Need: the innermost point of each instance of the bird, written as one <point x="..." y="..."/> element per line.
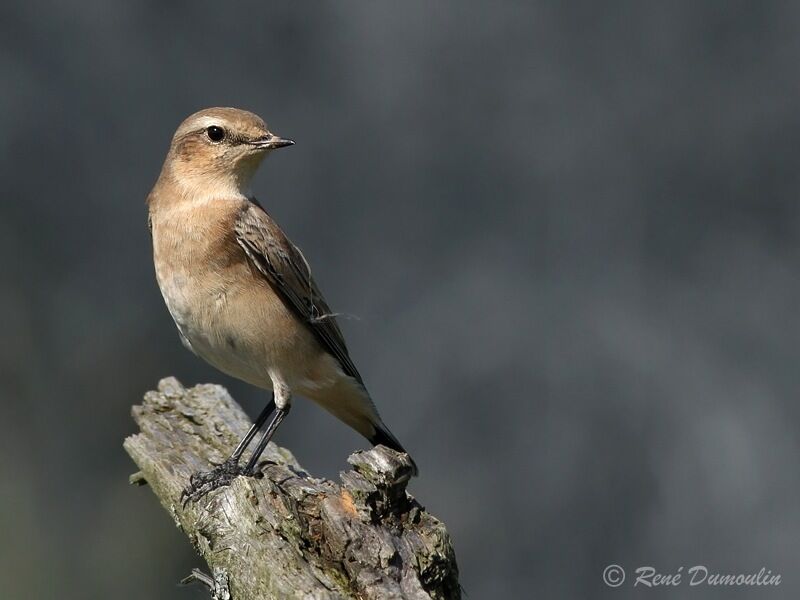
<point x="241" y="293"/>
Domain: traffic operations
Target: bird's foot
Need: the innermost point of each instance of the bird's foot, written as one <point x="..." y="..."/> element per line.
<point x="203" y="482"/>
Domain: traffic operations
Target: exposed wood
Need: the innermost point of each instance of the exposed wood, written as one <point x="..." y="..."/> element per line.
<point x="288" y="534"/>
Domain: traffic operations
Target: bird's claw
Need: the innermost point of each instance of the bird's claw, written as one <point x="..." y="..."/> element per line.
<point x="203" y="482"/>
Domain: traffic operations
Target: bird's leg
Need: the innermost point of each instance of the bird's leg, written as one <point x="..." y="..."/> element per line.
<point x="262" y="418"/>
<point x="203" y="482"/>
<point x="283" y="402"/>
<point x="280" y="414"/>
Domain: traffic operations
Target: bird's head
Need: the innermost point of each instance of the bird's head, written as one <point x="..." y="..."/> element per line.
<point x="217" y="150"/>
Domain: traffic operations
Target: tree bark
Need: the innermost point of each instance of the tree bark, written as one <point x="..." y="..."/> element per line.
<point x="288" y="534"/>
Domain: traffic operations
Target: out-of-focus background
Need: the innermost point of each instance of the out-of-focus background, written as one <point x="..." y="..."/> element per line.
<point x="570" y="233"/>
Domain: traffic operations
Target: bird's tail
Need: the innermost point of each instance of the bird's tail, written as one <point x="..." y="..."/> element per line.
<point x="385" y="437"/>
<point x="350" y="402"/>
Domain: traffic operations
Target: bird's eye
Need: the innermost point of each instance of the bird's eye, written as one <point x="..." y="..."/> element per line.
<point x="215" y="134"/>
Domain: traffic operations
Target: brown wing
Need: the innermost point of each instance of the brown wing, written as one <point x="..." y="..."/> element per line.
<point x="286" y="270"/>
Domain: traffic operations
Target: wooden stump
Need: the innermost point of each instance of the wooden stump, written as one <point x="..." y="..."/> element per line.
<point x="288" y="534"/>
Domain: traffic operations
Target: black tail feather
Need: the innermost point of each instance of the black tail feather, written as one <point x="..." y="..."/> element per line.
<point x="385" y="437"/>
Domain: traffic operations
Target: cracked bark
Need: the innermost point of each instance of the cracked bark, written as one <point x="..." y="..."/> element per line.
<point x="288" y="534"/>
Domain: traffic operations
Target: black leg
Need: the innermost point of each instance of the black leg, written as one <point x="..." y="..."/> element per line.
<point x="202" y="483"/>
<point x="280" y="415"/>
<point x="262" y="418"/>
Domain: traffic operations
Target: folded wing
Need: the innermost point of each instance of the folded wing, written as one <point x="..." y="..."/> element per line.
<point x="285" y="268"/>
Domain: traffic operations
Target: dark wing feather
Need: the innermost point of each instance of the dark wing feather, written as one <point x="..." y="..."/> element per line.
<point x="286" y="270"/>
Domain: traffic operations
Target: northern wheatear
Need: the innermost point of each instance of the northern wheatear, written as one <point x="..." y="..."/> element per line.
<point x="240" y="292"/>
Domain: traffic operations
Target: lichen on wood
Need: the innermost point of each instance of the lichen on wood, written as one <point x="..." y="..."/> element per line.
<point x="287" y="534"/>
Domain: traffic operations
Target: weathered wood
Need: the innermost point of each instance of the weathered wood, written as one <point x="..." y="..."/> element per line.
<point x="288" y="534"/>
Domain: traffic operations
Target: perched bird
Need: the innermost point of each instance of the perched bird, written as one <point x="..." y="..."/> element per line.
<point x="240" y="293"/>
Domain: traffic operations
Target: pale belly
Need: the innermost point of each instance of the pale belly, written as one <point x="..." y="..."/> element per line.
<point x="247" y="333"/>
<point x="230" y="316"/>
<point x="201" y="314"/>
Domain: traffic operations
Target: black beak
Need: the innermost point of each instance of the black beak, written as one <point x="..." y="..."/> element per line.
<point x="271" y="142"/>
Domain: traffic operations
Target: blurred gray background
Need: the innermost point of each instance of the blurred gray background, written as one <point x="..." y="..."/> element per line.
<point x="570" y="233"/>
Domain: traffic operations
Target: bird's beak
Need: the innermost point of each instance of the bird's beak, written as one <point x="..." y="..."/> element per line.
<point x="271" y="142"/>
